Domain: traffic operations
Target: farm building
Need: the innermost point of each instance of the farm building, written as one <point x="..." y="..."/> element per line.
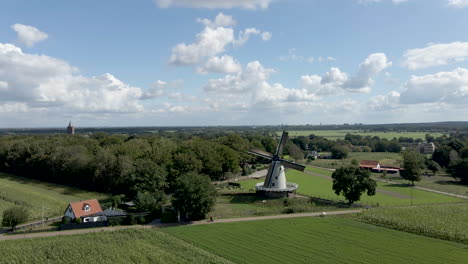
<point x="86" y="210"/>
<point x="369" y="164"/>
<point x="375" y="166"/>
<point x="423" y="148"/>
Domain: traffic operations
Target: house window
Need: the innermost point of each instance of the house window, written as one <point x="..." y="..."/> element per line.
<point x="87" y="208"/>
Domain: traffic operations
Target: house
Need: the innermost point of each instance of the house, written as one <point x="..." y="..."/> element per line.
<point x="86" y="210"/>
<point x="423" y="148"/>
<point x="369" y="164"/>
<point x="312" y="155"/>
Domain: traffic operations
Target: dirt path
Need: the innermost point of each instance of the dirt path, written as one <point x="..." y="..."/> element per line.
<point x="255" y="175"/>
<point x="159" y="225"/>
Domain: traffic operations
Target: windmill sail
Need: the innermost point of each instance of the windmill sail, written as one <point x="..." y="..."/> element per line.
<point x="284" y="138"/>
<point x="275" y="184"/>
<point x="292" y="165"/>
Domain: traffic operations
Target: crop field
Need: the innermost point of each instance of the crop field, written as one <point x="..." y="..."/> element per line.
<point x="449" y="222"/>
<point x="385" y="158"/>
<point x="36" y="195"/>
<point x="318" y="240"/>
<point x="133" y="245"/>
<point x="340" y="134"/>
<point x="387" y="195"/>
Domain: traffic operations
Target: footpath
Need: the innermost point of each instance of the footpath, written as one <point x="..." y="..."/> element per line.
<point x="160" y="225"/>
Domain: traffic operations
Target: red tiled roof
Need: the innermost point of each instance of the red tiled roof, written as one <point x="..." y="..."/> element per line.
<point x="368" y="163"/>
<point x="79" y="207"/>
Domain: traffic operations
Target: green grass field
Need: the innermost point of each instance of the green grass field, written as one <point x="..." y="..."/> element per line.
<point x="36" y="195"/>
<point x="134" y="245"/>
<point x="318" y="240"/>
<point x="448" y="222"/>
<point x="385" y="158"/>
<point x="390" y="195"/>
<point x="439" y="182"/>
<point x="340" y="134"/>
<point x="249" y="204"/>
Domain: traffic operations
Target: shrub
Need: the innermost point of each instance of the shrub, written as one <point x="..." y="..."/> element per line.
<point x="169" y="216"/>
<point x="15" y="215"/>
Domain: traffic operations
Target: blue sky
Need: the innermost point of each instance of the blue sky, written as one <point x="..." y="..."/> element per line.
<point x="244" y="62"/>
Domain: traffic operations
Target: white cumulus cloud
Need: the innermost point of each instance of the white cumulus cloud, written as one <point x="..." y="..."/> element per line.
<point x="223" y="64"/>
<point x="435" y="55"/>
<point x="212" y="4"/>
<point x="458" y="3"/>
<point x="447" y="87"/>
<point x="43" y="81"/>
<point x="28" y="35"/>
<point x="336" y="82"/>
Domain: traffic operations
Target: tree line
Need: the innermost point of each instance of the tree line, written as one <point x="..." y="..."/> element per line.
<point x="144" y="168"/>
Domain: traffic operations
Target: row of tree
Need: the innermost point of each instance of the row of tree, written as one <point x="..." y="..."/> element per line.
<point x="144" y="168"/>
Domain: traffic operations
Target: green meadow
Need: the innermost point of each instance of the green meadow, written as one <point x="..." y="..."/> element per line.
<point x="39" y="196"/>
<point x="340" y="134"/>
<point x="387" y="195"/>
<point x="317" y="240"/>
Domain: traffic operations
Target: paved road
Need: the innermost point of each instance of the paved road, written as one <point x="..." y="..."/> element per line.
<point x="202" y="222"/>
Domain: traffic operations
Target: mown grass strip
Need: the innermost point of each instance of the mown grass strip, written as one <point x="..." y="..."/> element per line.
<point x="318" y="240"/>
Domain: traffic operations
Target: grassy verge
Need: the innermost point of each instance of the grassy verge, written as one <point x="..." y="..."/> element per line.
<point x="449" y="222"/>
<point x="340" y="134"/>
<point x="249" y="204"/>
<point x="385" y="158"/>
<point x="37" y="196"/>
<point x="388" y="195"/>
<point x="318" y="240"/>
<point x="123" y="246"/>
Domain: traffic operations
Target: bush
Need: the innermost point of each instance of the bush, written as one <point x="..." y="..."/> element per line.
<point x="114" y="221"/>
<point x="141" y="220"/>
<point x="15" y="215"/>
<point x="169" y="216"/>
<point x="130" y="219"/>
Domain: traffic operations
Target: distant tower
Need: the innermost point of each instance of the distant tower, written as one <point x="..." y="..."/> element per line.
<point x="70" y="129"/>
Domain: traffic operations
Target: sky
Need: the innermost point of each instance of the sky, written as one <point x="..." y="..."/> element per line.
<point x="232" y="62"/>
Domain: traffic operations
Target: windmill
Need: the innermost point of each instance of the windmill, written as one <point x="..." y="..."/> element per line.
<point x="275" y="184"/>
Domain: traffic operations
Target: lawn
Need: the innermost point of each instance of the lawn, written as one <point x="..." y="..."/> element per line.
<point x="135" y="245"/>
<point x="318" y="240"/>
<point x="249" y="204"/>
<point x="388" y="195"/>
<point x="340" y="134"/>
<point x="36" y="196"/>
<point x="385" y="158"/>
<point x="440" y="182"/>
<point x="448" y="222"/>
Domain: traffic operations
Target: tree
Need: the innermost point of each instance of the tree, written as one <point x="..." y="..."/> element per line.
<point x="14" y="216"/>
<point x="339" y="152"/>
<point x="352" y="181"/>
<point x="145" y="201"/>
<point x="459" y="170"/>
<point x="413" y="162"/>
<point x="433" y="166"/>
<point x="194" y="196"/>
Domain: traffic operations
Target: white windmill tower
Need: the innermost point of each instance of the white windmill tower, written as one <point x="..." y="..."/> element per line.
<point x="275" y="184"/>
